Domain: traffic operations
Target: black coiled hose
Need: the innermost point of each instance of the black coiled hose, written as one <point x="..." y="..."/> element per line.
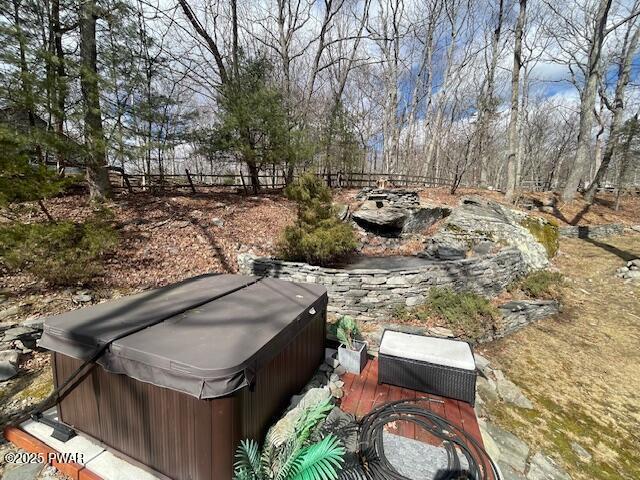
<point x="375" y="466"/>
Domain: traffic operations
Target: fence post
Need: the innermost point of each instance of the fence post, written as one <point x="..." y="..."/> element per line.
<point x="193" y="189"/>
<point x="126" y="181"/>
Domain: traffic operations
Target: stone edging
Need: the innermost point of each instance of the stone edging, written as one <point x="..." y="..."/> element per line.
<point x="374" y="293"/>
<point x="592" y="231"/>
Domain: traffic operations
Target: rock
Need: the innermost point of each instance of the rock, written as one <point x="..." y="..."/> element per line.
<point x="325" y="367"/>
<point x="582" y="453"/>
<point x="284" y="428"/>
<point x="519" y="313"/>
<point x="632" y="274"/>
<point x="510" y="393"/>
<point x="544" y="468"/>
<point x="592" y="231"/>
<point x="81" y="297"/>
<point x="6" y="326"/>
<point x="441" y="332"/>
<point x="483" y="248"/>
<point x="343" y="426"/>
<point x="49" y="473"/>
<point x="512" y="451"/>
<point x="217" y="222"/>
<point x="314" y="396"/>
<point x="422" y="217"/>
<point x="7" y="312"/>
<point x="25" y="471"/>
<point x="384" y="217"/>
<point x="487" y="389"/>
<point x="478" y="220"/>
<point x="509" y="473"/>
<point x="342" y="211"/>
<point x="334" y="377"/>
<point x="16" y="333"/>
<point x="11" y="356"/>
<point x="340" y="370"/>
<point x="34" y="322"/>
<point x="482" y="363"/>
<point x="413" y="301"/>
<point x="22" y="347"/>
<point x="7" y="370"/>
<point x="335" y="391"/>
<point x="634" y="263"/>
<point x="295" y="401"/>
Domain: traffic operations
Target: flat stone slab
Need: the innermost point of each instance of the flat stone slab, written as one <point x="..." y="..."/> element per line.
<point x="513" y="451"/>
<point x="512" y="394"/>
<point x="93" y="456"/>
<point x="414" y="459"/>
<point x="8" y="370"/>
<point x="544" y="468"/>
<point x="17" y="332"/>
<point x="110" y="467"/>
<point x="26" y="471"/>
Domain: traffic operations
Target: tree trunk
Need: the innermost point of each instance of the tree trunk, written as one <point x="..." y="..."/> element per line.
<point x="587" y="103"/>
<point x="27" y="90"/>
<point x="617" y="118"/>
<point x="60" y="83"/>
<point x="512" y="168"/>
<point x="488" y="105"/>
<point x="96" y="158"/>
<point x="626" y="149"/>
<point x="253" y="175"/>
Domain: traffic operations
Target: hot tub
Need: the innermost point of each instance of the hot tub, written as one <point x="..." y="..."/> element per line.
<point x="191" y="369"/>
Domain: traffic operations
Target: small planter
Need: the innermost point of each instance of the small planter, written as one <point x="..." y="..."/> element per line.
<point x="353" y="361"/>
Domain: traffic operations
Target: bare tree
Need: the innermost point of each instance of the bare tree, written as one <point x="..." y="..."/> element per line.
<point x="512" y="151"/>
<point x="96" y="161"/>
<point x="617" y="107"/>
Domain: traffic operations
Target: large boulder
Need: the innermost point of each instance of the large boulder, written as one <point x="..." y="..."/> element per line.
<point x="394" y="212"/>
<point x="386" y="217"/>
<point x="478" y="221"/>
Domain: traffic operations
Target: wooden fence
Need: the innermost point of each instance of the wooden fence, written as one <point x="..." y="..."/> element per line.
<point x="194" y="182"/>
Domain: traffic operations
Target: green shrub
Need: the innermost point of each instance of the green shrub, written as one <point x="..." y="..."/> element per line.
<point x="464" y="312"/>
<point x="467" y="312"/>
<point x="540" y="284"/>
<point x="60" y="253"/>
<point x="317" y="236"/>
<point x="545" y="232"/>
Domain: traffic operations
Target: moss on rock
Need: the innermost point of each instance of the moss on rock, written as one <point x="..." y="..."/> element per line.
<point x="545" y="232"/>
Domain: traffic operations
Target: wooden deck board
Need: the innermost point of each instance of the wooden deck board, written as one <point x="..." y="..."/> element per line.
<point x="362" y="393"/>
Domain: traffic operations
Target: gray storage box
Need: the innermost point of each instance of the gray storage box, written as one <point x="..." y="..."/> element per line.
<point x="428" y="364"/>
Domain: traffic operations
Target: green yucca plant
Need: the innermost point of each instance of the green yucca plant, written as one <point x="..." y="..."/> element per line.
<point x="288" y="455"/>
<point x="347" y="331"/>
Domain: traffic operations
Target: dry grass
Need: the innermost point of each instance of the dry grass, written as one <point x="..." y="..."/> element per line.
<point x="581" y="368"/>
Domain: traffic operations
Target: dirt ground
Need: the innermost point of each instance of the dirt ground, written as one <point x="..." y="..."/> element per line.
<point x="581" y="369"/>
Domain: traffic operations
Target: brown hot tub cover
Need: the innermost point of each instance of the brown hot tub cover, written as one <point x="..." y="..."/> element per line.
<point x="205" y="336"/>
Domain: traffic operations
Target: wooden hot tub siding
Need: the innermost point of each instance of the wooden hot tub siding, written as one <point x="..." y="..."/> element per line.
<point x="176" y="434"/>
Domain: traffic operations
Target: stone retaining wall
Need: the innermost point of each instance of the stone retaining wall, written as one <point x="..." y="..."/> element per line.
<point x="515" y="315"/>
<point x="373" y="293"/>
<point x="592" y="231"/>
<point x="520" y="313"/>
